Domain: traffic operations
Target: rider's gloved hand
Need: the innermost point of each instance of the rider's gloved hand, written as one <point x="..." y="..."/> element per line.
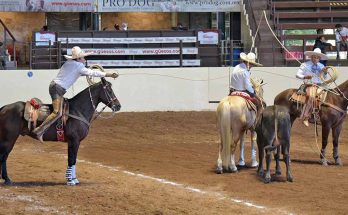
<point x="111" y="74"/>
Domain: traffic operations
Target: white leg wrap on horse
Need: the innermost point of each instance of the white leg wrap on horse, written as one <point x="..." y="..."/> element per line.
<point x="68" y="176"/>
<point x="74" y="178"/>
<point x="241" y="161"/>
<point x="254" y="162"/>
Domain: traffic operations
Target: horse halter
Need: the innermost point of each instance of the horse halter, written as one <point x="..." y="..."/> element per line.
<point x="110" y="98"/>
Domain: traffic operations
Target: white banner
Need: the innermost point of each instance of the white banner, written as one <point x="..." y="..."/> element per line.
<point x="140" y="51"/>
<point x="169" y="6"/>
<point x="143" y="63"/>
<point x="208" y="37"/>
<point x="126" y="40"/>
<point x="48" y="5"/>
<point x="41" y="37"/>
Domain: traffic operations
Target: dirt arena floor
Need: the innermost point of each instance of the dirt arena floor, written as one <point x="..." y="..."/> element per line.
<point x="163" y="163"/>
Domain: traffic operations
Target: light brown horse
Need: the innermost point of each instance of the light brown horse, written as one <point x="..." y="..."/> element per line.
<point x="233" y="120"/>
<point x="331" y="114"/>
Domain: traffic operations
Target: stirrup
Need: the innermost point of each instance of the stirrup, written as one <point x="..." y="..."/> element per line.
<point x="305" y="122"/>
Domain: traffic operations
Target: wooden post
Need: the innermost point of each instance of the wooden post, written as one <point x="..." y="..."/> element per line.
<point x="304" y="49"/>
<point x="59" y="55"/>
<point x="30" y="55"/>
<point x="180" y="52"/>
<point x="49" y="53"/>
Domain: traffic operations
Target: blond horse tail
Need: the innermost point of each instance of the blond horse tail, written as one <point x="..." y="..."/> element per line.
<point x="224" y="125"/>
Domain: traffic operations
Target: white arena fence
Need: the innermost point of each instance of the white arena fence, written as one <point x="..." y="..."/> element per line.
<point x="155" y="89"/>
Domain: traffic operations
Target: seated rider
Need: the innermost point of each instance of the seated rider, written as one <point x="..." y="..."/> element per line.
<point x="240" y="78"/>
<point x="71" y="70"/>
<point x="310" y="72"/>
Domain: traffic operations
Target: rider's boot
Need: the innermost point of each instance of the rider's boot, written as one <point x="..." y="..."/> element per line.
<point x="57" y="107"/>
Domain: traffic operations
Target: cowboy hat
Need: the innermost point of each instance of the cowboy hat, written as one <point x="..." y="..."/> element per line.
<point x="316" y="52"/>
<point x="250" y="57"/>
<point x="76" y="52"/>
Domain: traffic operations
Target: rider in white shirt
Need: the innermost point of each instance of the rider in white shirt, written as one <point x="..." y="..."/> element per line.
<point x="71" y="70"/>
<point x="310" y="72"/>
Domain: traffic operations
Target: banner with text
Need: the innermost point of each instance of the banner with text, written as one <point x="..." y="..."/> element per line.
<point x="48" y="5"/>
<point x="143" y="63"/>
<point x="140" y="51"/>
<point x="169" y="6"/>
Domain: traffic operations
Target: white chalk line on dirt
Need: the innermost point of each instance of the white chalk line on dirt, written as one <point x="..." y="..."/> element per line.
<point x="182" y="186"/>
<point x="36" y="204"/>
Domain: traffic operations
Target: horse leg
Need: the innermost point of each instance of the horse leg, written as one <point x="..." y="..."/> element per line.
<point x="4" y="170"/>
<point x="254" y="162"/>
<point x="232" y="168"/>
<point x="286" y="154"/>
<point x="261" y="154"/>
<point x="335" y="135"/>
<point x="241" y="161"/>
<point x="277" y="159"/>
<point x="219" y="169"/>
<point x="70" y="174"/>
<point x="325" y="135"/>
<point x="268" y="169"/>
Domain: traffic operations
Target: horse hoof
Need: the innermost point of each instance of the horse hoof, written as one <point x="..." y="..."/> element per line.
<point x="260" y="173"/>
<point x="70" y="183"/>
<point x="324" y="162"/>
<point x="241" y="163"/>
<point x="278" y="172"/>
<point x="338" y="162"/>
<point x="76" y="181"/>
<point x="289" y="179"/>
<point x="7" y="182"/>
<point x="267" y="180"/>
<point x="254" y="164"/>
<point x="219" y="170"/>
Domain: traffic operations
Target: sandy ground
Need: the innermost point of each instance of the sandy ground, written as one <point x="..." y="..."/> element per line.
<point x="163" y="163"/>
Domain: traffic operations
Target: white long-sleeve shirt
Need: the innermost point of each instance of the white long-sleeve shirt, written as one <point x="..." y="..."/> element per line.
<point x="309" y="68"/>
<point x="342" y="35"/>
<point x="240" y="78"/>
<point x="71" y="71"/>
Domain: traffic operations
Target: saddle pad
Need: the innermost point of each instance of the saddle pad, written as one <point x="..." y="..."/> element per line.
<point x="298" y="98"/>
<point x="241" y="94"/>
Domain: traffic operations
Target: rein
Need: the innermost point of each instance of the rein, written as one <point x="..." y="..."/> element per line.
<point x="98" y="114"/>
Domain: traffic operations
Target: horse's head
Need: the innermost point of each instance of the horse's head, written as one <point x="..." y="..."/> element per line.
<point x="108" y="96"/>
<point x="257" y="85"/>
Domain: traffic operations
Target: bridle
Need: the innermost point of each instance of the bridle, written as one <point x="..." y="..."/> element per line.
<point x="110" y="99"/>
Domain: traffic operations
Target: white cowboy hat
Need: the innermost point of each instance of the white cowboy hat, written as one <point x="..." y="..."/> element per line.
<point x="76" y="52"/>
<point x="316" y="52"/>
<point x="250" y="57"/>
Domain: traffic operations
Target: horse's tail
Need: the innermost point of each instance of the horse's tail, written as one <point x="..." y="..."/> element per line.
<point x="276" y="142"/>
<point x="224" y="125"/>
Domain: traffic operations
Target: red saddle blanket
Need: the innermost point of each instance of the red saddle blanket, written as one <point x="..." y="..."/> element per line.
<point x="241" y="94"/>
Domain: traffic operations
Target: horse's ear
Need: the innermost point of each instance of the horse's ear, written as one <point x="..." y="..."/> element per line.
<point x="261" y="81"/>
<point x="103" y="80"/>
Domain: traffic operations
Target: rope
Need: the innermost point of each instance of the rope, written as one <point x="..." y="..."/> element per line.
<point x="254" y="38"/>
<point x="270" y="28"/>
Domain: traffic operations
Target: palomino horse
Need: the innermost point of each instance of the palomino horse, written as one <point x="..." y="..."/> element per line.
<point x="332" y="114"/>
<point x="81" y="110"/>
<point x="233" y="119"/>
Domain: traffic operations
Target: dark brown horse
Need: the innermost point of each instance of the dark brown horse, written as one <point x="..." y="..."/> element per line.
<point x="331" y="114"/>
<point x="82" y="107"/>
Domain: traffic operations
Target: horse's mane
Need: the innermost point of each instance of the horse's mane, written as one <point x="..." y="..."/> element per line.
<point x="343" y="86"/>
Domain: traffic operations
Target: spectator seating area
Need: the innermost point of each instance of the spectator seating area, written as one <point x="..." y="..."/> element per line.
<point x="307" y="14"/>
